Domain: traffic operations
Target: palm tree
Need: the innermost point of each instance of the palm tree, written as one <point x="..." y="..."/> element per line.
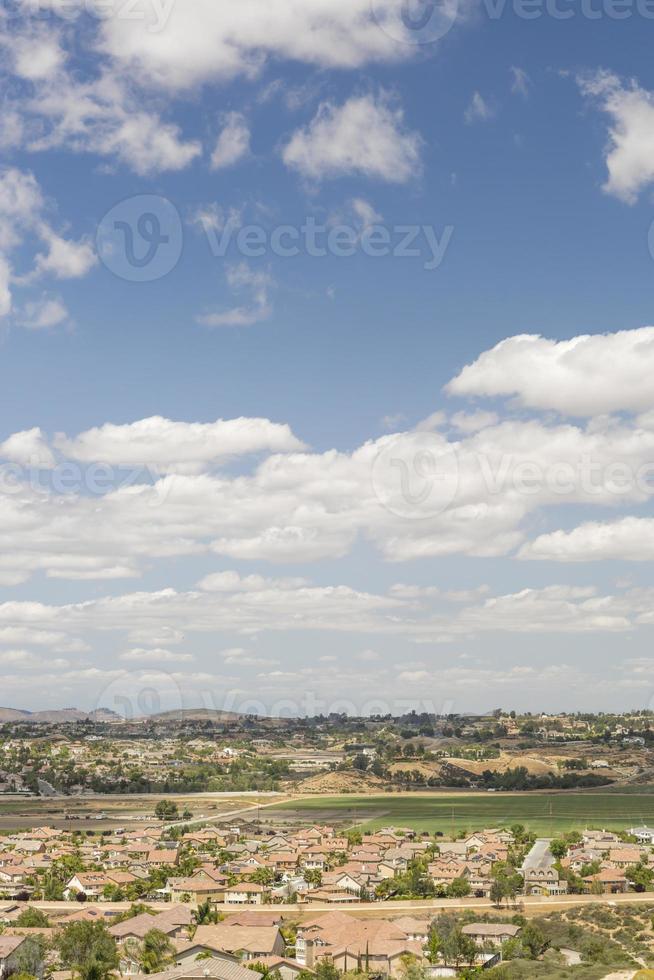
<point x="157" y="951"/>
<point x="205" y="914"/>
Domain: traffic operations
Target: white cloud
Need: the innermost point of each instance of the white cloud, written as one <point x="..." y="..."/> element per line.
<point x="521" y="82"/>
<point x="413" y="676"/>
<point x="37" y="55"/>
<point x="473" y="421"/>
<point x="65" y="259"/>
<point x="155" y="655"/>
<point x="233" y="582"/>
<point x="5" y="288"/>
<point x="301" y="506"/>
<point x="258" y="283"/>
<point x="233" y="143"/>
<point x="157" y="636"/>
<point x="21" y="202"/>
<point x="103" y="115"/>
<point x="182" y="447"/>
<point x="365" y="136"/>
<point x="295" y="505"/>
<point x="586" y="376"/>
<point x="28" y="448"/>
<point x="42" y="314"/>
<point x="22" y="209"/>
<point x="26" y="660"/>
<point x="478" y="109"/>
<point x="209" y="41"/>
<point x="626" y="539"/>
<point x="629" y="155"/>
<point x="240" y="657"/>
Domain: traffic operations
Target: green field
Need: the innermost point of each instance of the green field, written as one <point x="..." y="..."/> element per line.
<point x="546" y="814"/>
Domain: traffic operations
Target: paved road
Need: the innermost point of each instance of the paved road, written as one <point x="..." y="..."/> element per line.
<point x="539" y="858"/>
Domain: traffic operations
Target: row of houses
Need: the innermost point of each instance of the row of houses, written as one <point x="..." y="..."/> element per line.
<point x="377" y="946"/>
<point x="243" y="866"/>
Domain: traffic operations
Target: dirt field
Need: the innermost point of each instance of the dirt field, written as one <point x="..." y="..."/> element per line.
<point x="107" y="812"/>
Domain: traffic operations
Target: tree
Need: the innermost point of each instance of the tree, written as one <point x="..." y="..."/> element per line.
<point x="205" y="914"/>
<point x="512" y="949"/>
<point x="313" y="876"/>
<point x="497" y="891"/>
<point x="640" y="876"/>
<point x="411" y="970"/>
<point x="458" y="888"/>
<point x="533" y="940"/>
<point x="31" y="956"/>
<point x="459" y="948"/>
<point x="31" y="918"/>
<point x="559" y="848"/>
<point x="166" y="810"/>
<point x="88" y="949"/>
<point x="326" y="971"/>
<point x="433" y="946"/>
<point x="157" y="952"/>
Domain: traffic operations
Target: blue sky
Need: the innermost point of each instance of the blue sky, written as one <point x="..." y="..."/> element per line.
<point x="515" y="154"/>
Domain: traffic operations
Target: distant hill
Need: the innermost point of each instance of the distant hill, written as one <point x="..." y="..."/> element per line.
<point x="208" y="714"/>
<point x="58" y="715"/>
<point x="62" y="715"/>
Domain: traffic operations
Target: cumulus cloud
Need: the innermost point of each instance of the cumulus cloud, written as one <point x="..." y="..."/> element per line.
<point x="210" y="41"/>
<point x="341" y="609"/>
<point x="365" y="136"/>
<point x="474" y="488"/>
<point x="626" y="539"/>
<point x="65" y="259"/>
<point x="589" y="375"/>
<point x="473" y="421"/>
<point x="470" y="496"/>
<point x="28" y="448"/>
<point x="629" y="155"/>
<point x="182" y="447"/>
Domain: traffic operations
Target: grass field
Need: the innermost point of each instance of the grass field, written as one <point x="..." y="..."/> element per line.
<point x="546" y="814"/>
